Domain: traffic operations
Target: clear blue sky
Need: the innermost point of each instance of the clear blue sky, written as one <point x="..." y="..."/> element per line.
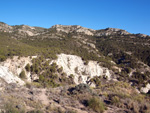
<point x="131" y="15"/>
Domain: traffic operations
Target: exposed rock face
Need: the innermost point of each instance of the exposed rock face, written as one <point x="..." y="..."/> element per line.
<point x="5" y="28"/>
<point x="22" y="31"/>
<point x="73" y="28"/>
<point x="82" y="73"/>
<point x="145" y="89"/>
<point x="111" y="31"/>
<point x="142" y="35"/>
<point x="11" y="68"/>
<point x="9" y="77"/>
<point x="28" y="30"/>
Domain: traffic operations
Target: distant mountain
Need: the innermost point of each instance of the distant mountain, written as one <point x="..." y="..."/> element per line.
<point x="23" y="31"/>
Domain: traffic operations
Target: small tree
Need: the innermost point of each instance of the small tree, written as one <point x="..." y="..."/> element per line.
<point x="22" y="75"/>
<point x="96" y="104"/>
<point x="2" y="58"/>
<point x="60" y="69"/>
<point x="27" y="67"/>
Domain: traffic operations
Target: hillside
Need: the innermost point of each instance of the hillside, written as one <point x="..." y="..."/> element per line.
<point x="70" y="68"/>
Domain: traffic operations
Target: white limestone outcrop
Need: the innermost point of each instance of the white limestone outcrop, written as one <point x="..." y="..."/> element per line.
<point x="73" y="64"/>
<point x="145" y="89"/>
<point x="9" y="77"/>
<point x="11" y="68"/>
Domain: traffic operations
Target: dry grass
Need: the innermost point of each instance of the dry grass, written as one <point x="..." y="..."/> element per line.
<point x="96" y="105"/>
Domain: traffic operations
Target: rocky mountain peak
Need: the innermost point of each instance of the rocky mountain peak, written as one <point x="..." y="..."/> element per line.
<point x="21" y="31"/>
<point x="5" y="28"/>
<point x="26" y="27"/>
<point x="73" y="28"/>
<point x="111" y="31"/>
<point x="142" y="35"/>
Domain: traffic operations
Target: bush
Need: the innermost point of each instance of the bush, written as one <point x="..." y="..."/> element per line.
<point x="115" y="100"/>
<point x="22" y="75"/>
<point x="2" y="58"/>
<point x="96" y="80"/>
<point x="71" y="76"/>
<point x="35" y="111"/>
<point x="60" y="69"/>
<point x="27" y="67"/>
<point x="53" y="69"/>
<point x="11" y="108"/>
<point x="96" y="104"/>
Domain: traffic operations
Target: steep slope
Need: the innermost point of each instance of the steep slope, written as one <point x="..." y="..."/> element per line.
<point x="11" y="47"/>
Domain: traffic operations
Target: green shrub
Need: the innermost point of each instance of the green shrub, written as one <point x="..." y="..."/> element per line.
<point x="71" y="76"/>
<point x="41" y="78"/>
<point x="35" y="111"/>
<point x="11" y="108"/>
<point x="27" y="67"/>
<point x="71" y="111"/>
<point x="96" y="104"/>
<point x="53" y="69"/>
<point x="60" y="69"/>
<point x="22" y="75"/>
<point x="115" y="100"/>
<point x="2" y="58"/>
<point x="76" y="70"/>
<point x="96" y="80"/>
<point x="86" y="62"/>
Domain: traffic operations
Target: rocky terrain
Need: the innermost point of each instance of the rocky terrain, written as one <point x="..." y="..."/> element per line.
<point x="72" y="69"/>
<point x="21" y="31"/>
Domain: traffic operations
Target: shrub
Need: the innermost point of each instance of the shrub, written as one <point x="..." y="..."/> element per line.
<point x="76" y="70"/>
<point x="2" y="58"/>
<point x="60" y="69"/>
<point x="81" y="88"/>
<point x="86" y="62"/>
<point x="96" y="80"/>
<point x="96" y="104"/>
<point x="71" y="111"/>
<point x="11" y="108"/>
<point x="71" y="76"/>
<point x="27" y="67"/>
<point x="115" y="100"/>
<point x="22" y="75"/>
<point x="41" y="78"/>
<point x="35" y="111"/>
<point x="53" y="69"/>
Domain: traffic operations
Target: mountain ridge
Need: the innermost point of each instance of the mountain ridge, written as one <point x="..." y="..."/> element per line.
<point x="33" y="30"/>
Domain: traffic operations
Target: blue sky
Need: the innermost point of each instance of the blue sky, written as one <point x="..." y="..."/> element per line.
<point x="131" y="15"/>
